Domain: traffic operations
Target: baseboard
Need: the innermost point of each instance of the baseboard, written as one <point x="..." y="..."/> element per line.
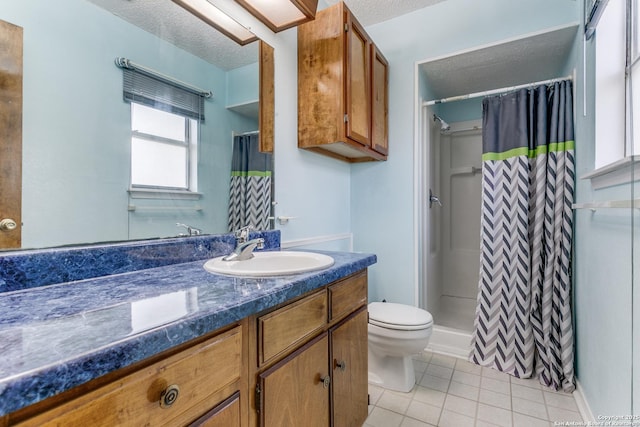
<point x="450" y="342"/>
<point x="318" y="239"/>
<point x="583" y="405"/>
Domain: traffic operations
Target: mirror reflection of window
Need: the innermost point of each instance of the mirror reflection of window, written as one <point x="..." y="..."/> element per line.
<point x="163" y="149"/>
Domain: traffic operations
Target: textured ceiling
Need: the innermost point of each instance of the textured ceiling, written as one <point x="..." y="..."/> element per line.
<point x="521" y="61"/>
<point x="507" y="64"/>
<point x="172" y="23"/>
<point x="371" y="12"/>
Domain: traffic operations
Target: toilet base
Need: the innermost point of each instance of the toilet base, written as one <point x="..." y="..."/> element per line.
<point x="392" y="372"/>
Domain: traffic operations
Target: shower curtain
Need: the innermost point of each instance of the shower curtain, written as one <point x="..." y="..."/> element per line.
<point x="250" y="187"/>
<point x="523" y="318"/>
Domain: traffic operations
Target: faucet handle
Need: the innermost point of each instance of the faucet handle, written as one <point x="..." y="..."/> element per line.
<point x="192" y="231"/>
<point x="242" y="234"/>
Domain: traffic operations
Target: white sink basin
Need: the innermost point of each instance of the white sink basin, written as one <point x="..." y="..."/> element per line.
<point x="271" y="264"/>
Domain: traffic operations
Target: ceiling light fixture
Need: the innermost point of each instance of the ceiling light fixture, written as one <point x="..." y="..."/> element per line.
<point x="219" y="20"/>
<point x="279" y="15"/>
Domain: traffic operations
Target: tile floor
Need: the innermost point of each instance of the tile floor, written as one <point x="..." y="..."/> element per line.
<point x="454" y="392"/>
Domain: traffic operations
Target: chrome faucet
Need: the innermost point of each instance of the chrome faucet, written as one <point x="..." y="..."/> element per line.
<point x="244" y="250"/>
<point x="242" y="234"/>
<point x="192" y="231"/>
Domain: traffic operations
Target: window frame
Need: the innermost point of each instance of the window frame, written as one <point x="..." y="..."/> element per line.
<point x="632" y="72"/>
<point x="190" y="143"/>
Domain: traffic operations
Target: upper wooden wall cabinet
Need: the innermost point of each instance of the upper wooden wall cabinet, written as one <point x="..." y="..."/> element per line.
<point x="342" y="88"/>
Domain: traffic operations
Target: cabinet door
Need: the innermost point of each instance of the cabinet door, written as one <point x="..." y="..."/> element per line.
<point x="379" y="102"/>
<point x="266" y="108"/>
<point x="349" y="364"/>
<point x="358" y="85"/>
<point x="226" y="414"/>
<point x="293" y="392"/>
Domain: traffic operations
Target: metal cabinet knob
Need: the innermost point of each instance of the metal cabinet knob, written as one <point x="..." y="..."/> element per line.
<point x="8" y="224"/>
<point x="326" y="381"/>
<point x="169" y="396"/>
<point x="342" y="365"/>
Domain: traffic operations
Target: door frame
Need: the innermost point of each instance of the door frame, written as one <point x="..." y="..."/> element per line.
<point x="11" y="134"/>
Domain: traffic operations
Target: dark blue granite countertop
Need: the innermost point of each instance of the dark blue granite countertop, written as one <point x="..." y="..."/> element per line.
<point x="56" y="337"/>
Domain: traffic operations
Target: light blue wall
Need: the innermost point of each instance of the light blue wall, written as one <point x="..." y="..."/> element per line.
<point x="78" y="130"/>
<point x="314" y="189"/>
<point x="460" y="111"/>
<point x="243" y="84"/>
<point x="602" y="271"/>
<point x="382" y="201"/>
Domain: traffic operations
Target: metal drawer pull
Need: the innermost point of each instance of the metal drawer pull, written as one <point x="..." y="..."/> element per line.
<point x="169" y="396"/>
<point x="326" y="381"/>
<point x="342" y="365"/>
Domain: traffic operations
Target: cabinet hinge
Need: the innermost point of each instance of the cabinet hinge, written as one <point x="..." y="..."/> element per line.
<point x="258" y="399"/>
<point x="346" y="118"/>
<point x="346" y="27"/>
<point x="368" y="399"/>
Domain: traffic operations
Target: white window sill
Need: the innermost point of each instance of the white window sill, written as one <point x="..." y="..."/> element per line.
<point x="616" y="173"/>
<point x="145" y="193"/>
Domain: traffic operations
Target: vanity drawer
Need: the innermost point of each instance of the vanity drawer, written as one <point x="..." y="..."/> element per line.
<point x="290" y="326"/>
<point x="347" y="295"/>
<point x="199" y="372"/>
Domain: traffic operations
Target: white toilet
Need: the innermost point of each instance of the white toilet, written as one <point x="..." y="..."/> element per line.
<point x="396" y="332"/>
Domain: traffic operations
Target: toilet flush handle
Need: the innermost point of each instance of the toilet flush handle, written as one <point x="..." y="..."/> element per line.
<point x="434" y="199"/>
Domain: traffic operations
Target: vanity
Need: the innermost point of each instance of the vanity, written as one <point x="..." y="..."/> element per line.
<point x="173" y="344"/>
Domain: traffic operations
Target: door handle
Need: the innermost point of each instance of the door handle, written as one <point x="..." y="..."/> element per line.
<point x="8" y="224"/>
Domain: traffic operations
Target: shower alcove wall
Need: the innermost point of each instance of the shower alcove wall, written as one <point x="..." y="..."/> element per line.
<point x="449" y="165"/>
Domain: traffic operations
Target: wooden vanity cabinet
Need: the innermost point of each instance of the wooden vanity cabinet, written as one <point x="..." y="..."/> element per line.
<point x="302" y="363"/>
<point x="201" y="385"/>
<point x="342" y="88"/>
<point x="315" y="372"/>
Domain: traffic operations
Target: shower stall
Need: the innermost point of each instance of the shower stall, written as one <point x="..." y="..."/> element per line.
<point x="451" y="251"/>
<point x="448" y="165"/>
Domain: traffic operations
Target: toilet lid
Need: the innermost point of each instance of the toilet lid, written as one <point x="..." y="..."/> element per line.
<point x="398" y="316"/>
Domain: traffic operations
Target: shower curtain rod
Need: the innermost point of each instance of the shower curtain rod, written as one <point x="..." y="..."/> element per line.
<point x="493" y="91"/>
<point x="253" y="132"/>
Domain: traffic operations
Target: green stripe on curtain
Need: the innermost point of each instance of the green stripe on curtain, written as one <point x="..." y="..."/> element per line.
<point x="554" y="147"/>
<point x="250" y="173"/>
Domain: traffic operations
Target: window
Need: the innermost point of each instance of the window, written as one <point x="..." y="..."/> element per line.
<point x="165" y="118"/>
<point x="610" y="40"/>
<point x="163" y="149"/>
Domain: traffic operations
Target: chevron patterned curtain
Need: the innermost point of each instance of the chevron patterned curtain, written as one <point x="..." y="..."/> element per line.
<point x="523" y="322"/>
<point x="250" y="187"/>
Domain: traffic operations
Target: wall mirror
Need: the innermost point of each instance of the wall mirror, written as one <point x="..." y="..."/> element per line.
<point x="76" y="135"/>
